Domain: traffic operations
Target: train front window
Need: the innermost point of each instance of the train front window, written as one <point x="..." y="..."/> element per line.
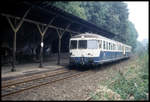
<point x="92" y="44"/>
<point x="73" y="44"/>
<point x="82" y="44"/>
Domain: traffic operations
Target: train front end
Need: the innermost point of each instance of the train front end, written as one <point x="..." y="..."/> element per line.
<point x="84" y="51"/>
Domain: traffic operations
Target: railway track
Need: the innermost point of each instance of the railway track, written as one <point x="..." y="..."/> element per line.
<point x="31" y="77"/>
<point x="22" y="84"/>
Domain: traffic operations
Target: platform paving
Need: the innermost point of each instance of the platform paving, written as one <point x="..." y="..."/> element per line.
<point x="30" y="68"/>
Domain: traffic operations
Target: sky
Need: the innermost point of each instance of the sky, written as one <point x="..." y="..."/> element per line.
<point x="138" y="15"/>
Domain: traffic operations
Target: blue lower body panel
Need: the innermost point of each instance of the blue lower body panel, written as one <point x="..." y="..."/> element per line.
<point x="83" y="60"/>
<point x="105" y="56"/>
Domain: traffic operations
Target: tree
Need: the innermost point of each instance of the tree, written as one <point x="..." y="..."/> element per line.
<point x="131" y="35"/>
<point x="111" y="16"/>
<point x="70" y="7"/>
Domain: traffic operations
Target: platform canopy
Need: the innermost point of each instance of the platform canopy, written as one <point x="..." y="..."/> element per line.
<point x="40" y="13"/>
<point x="51" y="23"/>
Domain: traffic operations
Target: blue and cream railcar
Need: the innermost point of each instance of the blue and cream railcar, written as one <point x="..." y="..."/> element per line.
<point x="94" y="49"/>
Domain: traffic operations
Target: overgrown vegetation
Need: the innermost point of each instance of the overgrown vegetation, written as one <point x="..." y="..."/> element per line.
<point x="112" y="16"/>
<point x="135" y="86"/>
<point x="132" y="82"/>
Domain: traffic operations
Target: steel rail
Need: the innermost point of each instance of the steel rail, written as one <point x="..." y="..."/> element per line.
<point x="28" y="76"/>
<point x="34" y="86"/>
<point x="32" y="78"/>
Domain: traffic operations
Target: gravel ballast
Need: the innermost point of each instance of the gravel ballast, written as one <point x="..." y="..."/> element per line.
<point x="77" y="88"/>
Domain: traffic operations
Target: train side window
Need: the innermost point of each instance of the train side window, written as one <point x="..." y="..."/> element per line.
<point x="116" y="46"/>
<point x="109" y="45"/>
<point x="103" y="44"/>
<point x="100" y="43"/>
<point x="119" y="47"/>
<point x="113" y="46"/>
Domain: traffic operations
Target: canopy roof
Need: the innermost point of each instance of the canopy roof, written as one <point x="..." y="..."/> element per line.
<point x="43" y="14"/>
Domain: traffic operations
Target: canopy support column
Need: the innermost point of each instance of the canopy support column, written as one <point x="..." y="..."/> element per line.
<point x="60" y="34"/>
<point x="42" y="31"/>
<point x="15" y="28"/>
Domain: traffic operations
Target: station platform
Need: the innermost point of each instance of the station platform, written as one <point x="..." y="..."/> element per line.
<point x="30" y="69"/>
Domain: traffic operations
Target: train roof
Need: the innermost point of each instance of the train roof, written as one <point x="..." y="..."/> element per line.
<point x="92" y="35"/>
<point x="87" y="35"/>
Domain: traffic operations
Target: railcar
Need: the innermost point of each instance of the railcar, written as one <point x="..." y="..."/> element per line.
<point x="94" y="49"/>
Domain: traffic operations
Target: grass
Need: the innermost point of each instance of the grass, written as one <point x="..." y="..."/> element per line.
<point x="130" y="83"/>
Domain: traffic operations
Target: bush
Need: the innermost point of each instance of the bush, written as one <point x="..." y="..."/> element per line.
<point x="136" y="87"/>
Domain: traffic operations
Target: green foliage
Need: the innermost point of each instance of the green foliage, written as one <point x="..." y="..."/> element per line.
<point x="112" y="16"/>
<point x="95" y="97"/>
<point x="141" y="48"/>
<point x="136" y="86"/>
<point x="71" y="7"/>
<point x="131" y="35"/>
